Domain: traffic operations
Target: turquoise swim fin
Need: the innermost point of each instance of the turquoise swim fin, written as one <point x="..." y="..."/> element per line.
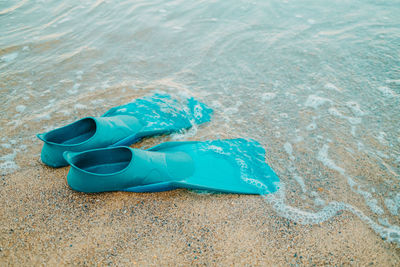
<point x="123" y="125"/>
<point x="229" y="166"/>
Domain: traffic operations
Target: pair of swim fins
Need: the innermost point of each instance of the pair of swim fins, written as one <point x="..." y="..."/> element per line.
<point x="95" y="147"/>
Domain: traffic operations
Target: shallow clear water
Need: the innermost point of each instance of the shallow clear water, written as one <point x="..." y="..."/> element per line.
<point x="316" y="82"/>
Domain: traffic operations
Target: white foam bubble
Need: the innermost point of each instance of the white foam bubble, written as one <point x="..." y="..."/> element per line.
<point x="79" y="106"/>
<point x="79" y="75"/>
<point x="311" y="126"/>
<point x="198" y="111"/>
<point x="311" y="21"/>
<point x="371" y="202"/>
<point x="43" y="116"/>
<point x="384" y="221"/>
<point x="336" y="113"/>
<point x="64" y="20"/>
<point x="319" y="201"/>
<point x="9" y="57"/>
<point x="352" y="120"/>
<point x="315" y="101"/>
<point x="360" y="146"/>
<point x="20" y="108"/>
<point x="74" y="89"/>
<point x="216" y="104"/>
<point x="96" y="101"/>
<point x="105" y="84"/>
<point x="22" y="147"/>
<point x="231" y="110"/>
<point x="393" y="204"/>
<point x="397" y="82"/>
<point x="382" y="155"/>
<point x="300" y="181"/>
<point x="386" y="91"/>
<point x="289" y="150"/>
<point x="331" y="86"/>
<point x="284" y="115"/>
<point x="268" y="96"/>
<point x="122" y="110"/>
<point x="382" y="138"/>
<point x="353" y="130"/>
<point x="6" y="146"/>
<point x="324" y="158"/>
<point x="7" y="164"/>
<point x="185" y="134"/>
<point x="298" y="139"/>
<point x="64" y="111"/>
<point x="355" y="108"/>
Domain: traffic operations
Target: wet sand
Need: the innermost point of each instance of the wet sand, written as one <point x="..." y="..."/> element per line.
<point x="43" y="222"/>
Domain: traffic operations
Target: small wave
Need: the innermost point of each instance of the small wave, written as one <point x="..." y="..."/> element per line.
<point x="389" y="232"/>
<point x="13" y="8"/>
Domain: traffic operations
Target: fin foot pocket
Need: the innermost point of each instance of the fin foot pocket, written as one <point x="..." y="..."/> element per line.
<point x="123" y="125"/>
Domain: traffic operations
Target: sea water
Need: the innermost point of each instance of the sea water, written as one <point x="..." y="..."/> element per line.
<point x="316" y="82"/>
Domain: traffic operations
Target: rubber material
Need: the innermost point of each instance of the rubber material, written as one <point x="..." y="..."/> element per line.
<point x="123" y="125"/>
<point x="229" y="166"/>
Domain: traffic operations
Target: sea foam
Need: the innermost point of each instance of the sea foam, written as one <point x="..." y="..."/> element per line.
<point x="277" y="201"/>
<point x="315" y="101"/>
<point x="7" y="163"/>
